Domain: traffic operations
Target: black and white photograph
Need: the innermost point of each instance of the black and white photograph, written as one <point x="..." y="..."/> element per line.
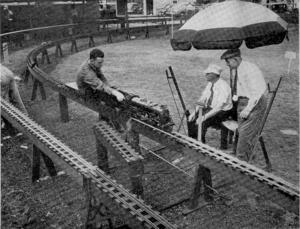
<point x="161" y="114"/>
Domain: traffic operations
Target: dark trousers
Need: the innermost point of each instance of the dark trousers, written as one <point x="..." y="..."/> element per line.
<point x="215" y="122"/>
<point x="249" y="127"/>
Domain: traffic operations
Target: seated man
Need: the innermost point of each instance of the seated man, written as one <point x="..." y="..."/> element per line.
<point x="90" y="77"/>
<point x="217" y="102"/>
<point x="9" y="89"/>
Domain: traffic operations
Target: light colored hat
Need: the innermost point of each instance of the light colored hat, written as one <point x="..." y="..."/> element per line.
<point x="213" y="68"/>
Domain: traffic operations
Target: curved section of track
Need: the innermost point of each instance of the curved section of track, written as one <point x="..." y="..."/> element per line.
<point x="147" y="111"/>
<point x="256" y="180"/>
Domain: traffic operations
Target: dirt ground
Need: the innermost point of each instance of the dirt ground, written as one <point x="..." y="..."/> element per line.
<point x="138" y="66"/>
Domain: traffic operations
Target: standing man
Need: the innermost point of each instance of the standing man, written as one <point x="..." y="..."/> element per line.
<point x="91" y="79"/>
<point x="217" y="101"/>
<point x="250" y="92"/>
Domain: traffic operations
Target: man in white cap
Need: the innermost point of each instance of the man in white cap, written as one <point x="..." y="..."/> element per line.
<point x="250" y="92"/>
<point x="217" y="101"/>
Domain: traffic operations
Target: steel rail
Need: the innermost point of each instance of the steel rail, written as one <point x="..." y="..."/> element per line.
<point x="265" y="184"/>
<point x="152" y="214"/>
<point x="158" y="114"/>
<point x="268" y="185"/>
<point x="147" y="111"/>
<point x="136" y="207"/>
<point x="114" y="141"/>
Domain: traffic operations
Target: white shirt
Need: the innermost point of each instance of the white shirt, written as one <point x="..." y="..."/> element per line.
<point x="221" y="96"/>
<point x="250" y="83"/>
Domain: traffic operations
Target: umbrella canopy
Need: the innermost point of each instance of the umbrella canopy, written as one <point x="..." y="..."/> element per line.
<point x="225" y="25"/>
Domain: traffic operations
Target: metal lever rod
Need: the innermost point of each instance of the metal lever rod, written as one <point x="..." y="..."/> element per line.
<point x="177" y="87"/>
<point x="181" y="118"/>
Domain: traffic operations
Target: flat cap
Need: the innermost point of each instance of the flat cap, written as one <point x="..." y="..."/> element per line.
<point x="231" y="53"/>
<point x="213" y="68"/>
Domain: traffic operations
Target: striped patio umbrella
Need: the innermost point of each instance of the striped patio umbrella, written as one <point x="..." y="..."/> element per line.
<point x="225" y="25"/>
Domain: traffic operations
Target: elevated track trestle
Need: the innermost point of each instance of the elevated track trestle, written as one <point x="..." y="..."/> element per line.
<point x="259" y="181"/>
<point x="133" y="210"/>
<point x="155" y="123"/>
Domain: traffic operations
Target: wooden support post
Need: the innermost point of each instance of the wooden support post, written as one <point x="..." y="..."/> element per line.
<point x="230" y="137"/>
<point x="97" y="212"/>
<point x="263" y="147"/>
<point x="109" y="39"/>
<point x="45" y="55"/>
<point x="36" y="162"/>
<point x="102" y="155"/>
<point x="26" y="76"/>
<point x="147" y="32"/>
<point x="167" y="30"/>
<point x="123" y="23"/>
<point x="127" y="34"/>
<point x="58" y="50"/>
<point x="91" y="42"/>
<point x="202" y="174"/>
<point x="36" y="63"/>
<point x="49" y="165"/>
<point x="136" y="167"/>
<point x="236" y="137"/>
<point x="37" y="84"/>
<point x="10" y="128"/>
<point x="136" y="177"/>
<point x="63" y="106"/>
<point x="74" y="45"/>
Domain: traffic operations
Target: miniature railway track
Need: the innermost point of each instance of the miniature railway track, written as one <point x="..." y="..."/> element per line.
<point x="269" y="186"/>
<point x="115" y="143"/>
<point x="145" y="119"/>
<point x="134" y="211"/>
